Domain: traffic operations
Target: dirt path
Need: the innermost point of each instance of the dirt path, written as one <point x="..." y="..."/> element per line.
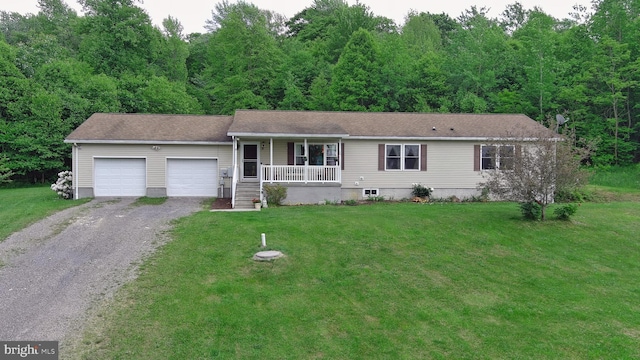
<point x="55" y="270"/>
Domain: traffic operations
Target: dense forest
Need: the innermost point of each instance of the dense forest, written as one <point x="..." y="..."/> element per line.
<point x="58" y="67"/>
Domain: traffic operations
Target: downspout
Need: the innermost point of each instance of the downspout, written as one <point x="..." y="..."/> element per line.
<point x="75" y="171"/>
<point x="339" y="169"/>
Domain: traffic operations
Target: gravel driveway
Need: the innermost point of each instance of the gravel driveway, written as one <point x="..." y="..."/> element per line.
<point x="55" y="270"/>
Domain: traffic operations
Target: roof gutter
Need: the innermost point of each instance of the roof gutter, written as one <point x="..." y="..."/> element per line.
<point x="148" y="142"/>
<point x="283" y="135"/>
<point x="443" y="138"/>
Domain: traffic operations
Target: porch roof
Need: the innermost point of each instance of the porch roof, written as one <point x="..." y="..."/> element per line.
<point x="365" y="125"/>
<point x="284" y="124"/>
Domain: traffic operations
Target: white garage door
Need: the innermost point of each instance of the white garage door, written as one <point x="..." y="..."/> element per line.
<point x="192" y="177"/>
<point x="120" y="177"/>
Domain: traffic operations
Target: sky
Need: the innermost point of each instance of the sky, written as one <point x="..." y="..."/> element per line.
<point x="192" y="14"/>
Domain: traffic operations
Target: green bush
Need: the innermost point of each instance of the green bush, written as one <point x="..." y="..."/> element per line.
<point x="531" y="210"/>
<point x="565" y="212"/>
<point x="350" y="202"/>
<point x="375" y="198"/>
<point x="275" y="193"/>
<point x="575" y="195"/>
<point x="418" y="190"/>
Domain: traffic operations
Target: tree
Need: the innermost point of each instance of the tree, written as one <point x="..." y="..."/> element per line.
<point x="174" y="51"/>
<point x="327" y="25"/>
<point x="293" y="98"/>
<point x="538" y="61"/>
<point x="532" y="168"/>
<point x="421" y="34"/>
<point x="615" y="74"/>
<point x="513" y="17"/>
<point x="5" y="172"/>
<point x="320" y="93"/>
<point x="243" y="59"/>
<point x="82" y="93"/>
<point x="355" y="80"/>
<point x="118" y="37"/>
<point x="480" y="62"/>
<point x="161" y="96"/>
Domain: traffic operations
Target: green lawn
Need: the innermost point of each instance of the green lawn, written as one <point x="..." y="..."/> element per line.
<point x="627" y="177"/>
<point x="24" y="206"/>
<point x="385" y="281"/>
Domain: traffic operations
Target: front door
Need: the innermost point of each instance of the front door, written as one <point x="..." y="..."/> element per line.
<point x="250" y="161"/>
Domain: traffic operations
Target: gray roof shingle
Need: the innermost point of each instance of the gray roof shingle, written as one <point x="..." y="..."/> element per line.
<point x="153" y="127"/>
<point x="101" y="127"/>
<point x="382" y="125"/>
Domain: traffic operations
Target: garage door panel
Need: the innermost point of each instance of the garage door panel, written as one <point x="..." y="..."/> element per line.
<point x="120" y="177"/>
<point x="192" y="177"/>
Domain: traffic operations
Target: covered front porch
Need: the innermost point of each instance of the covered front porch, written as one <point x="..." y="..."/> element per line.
<point x="295" y="161"/>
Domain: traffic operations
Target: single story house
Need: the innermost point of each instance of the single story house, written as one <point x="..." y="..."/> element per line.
<point x="318" y="156"/>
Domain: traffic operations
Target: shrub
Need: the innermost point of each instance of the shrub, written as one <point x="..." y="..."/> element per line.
<point x="275" y="193"/>
<point x="64" y="185"/>
<point x="565" y="212"/>
<point x="531" y="210"/>
<point x="350" y="202"/>
<point x="574" y="195"/>
<point x="421" y="191"/>
<point x="375" y="198"/>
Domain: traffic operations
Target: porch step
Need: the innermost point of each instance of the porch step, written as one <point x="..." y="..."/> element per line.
<point x="245" y="193"/>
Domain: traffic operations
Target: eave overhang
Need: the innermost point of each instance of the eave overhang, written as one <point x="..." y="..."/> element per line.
<point x="285" y="136"/>
<point x="148" y="142"/>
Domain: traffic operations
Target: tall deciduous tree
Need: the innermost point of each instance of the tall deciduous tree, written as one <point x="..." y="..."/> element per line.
<point x="329" y="24"/>
<point x="479" y="61"/>
<point x="615" y="72"/>
<point x="243" y="58"/>
<point x="31" y="131"/>
<point x="420" y="34"/>
<point x="118" y="37"/>
<point x="538" y="60"/>
<point x="82" y="93"/>
<point x="161" y="96"/>
<point x="174" y="51"/>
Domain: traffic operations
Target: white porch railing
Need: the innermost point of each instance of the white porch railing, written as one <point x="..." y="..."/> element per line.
<point x="300" y="174"/>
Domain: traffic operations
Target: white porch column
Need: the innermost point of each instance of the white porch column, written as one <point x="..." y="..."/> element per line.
<point x="271" y="160"/>
<point x="234" y="164"/>
<point x="306" y="161"/>
<point x="234" y="161"/>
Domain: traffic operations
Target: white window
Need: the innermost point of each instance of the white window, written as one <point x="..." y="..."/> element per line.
<point x="402" y="157"/>
<point x="331" y="152"/>
<point x="317" y="154"/>
<point x="497" y="157"/>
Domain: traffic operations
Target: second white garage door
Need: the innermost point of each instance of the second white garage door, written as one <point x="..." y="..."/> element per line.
<point x="192" y="177"/>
